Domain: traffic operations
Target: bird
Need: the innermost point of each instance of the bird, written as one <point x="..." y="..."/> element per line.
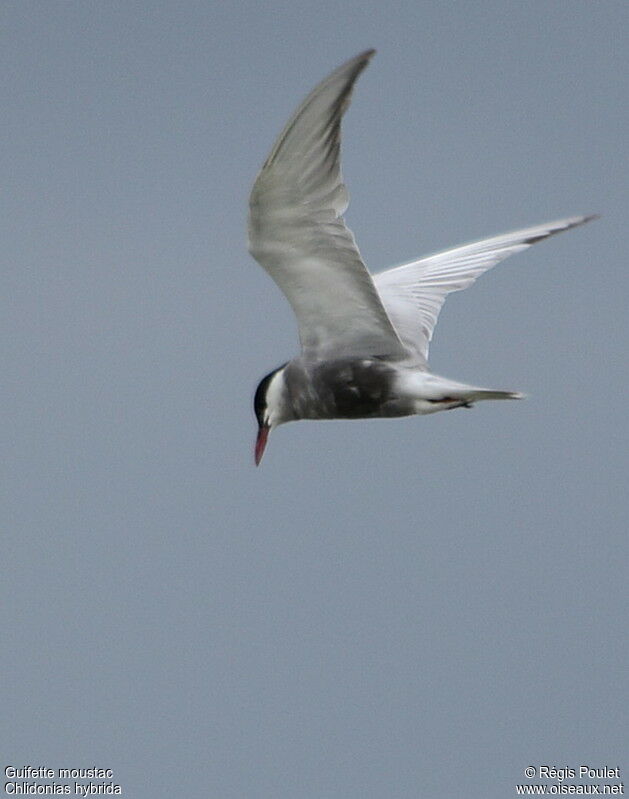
<point x="364" y="337"/>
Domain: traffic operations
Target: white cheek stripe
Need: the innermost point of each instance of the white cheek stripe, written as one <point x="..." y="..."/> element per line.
<point x="275" y="398"/>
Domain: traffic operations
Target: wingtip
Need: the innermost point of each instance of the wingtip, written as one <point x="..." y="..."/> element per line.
<point x="364" y="57"/>
<point x="559" y="226"/>
<point x="591" y="217"/>
<point x="581" y="220"/>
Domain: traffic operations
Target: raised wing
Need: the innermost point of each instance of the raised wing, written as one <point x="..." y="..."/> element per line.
<point x="297" y="233"/>
<point x="414" y="293"/>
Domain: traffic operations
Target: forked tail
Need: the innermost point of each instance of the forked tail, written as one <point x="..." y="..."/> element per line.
<point x="487" y="394"/>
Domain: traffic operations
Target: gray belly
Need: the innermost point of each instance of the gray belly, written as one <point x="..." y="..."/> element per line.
<point x="343" y="389"/>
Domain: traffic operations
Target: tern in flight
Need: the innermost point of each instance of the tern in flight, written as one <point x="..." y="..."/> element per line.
<point x="364" y="338"/>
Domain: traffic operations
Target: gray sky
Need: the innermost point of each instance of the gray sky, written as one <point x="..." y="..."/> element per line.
<point x="409" y="608"/>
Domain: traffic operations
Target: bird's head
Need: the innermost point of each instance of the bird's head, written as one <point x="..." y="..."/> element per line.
<point x="271" y="406"/>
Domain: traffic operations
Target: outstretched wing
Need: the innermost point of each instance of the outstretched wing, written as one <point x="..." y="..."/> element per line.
<point x="414" y="293"/>
<point x="297" y="233"/>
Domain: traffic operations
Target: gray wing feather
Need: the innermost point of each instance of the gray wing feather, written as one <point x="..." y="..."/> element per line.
<point x="297" y="233"/>
<point x="414" y="293"/>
